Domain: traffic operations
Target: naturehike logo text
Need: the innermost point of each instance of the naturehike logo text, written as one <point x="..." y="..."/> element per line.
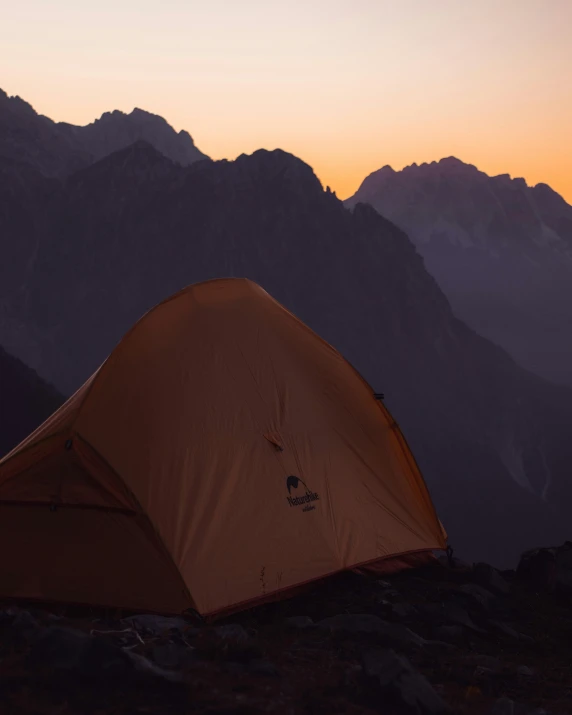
<point x="302" y="500"/>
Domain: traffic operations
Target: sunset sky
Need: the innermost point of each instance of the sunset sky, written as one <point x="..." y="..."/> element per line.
<point x="348" y="86"/>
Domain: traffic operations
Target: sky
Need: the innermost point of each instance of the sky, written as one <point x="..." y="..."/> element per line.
<point x="347" y="86"/>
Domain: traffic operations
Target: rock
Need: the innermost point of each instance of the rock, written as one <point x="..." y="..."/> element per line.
<point x="351" y="673"/>
<point x="75" y="653"/>
<point x="395" y="633"/>
<point x="142" y="665"/>
<point x="64" y="649"/>
<point x="394" y="677"/>
<point x="538" y="567"/>
<point x="352" y="623"/>
<point x="388" y="590"/>
<point x="564" y="568"/>
<point x="171" y="655"/>
<point x="490" y="578"/>
<point x="156" y="625"/>
<point x="503" y="706"/>
<point x="449" y="612"/>
<point x="21" y="623"/>
<point x="510" y="632"/>
<point x="263" y="667"/>
<point x="450" y="634"/>
<point x="402" y="610"/>
<point x="232" y="632"/>
<point x="479" y="595"/>
<point x="525" y="671"/>
<point x="234" y="668"/>
<point x="454" y="563"/>
<point x="489" y="662"/>
<point x="300" y="622"/>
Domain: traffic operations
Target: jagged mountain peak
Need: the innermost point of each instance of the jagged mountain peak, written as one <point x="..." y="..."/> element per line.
<point x="501" y="250"/>
<point x="16" y="104"/>
<point x="276" y="165"/>
<point x="60" y="149"/>
<point x="135" y="115"/>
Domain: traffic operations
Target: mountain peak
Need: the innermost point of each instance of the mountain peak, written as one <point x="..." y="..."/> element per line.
<point x="16" y="104"/>
<point x="278" y="163"/>
<point x="58" y="149"/>
<point x="452" y="161"/>
<point x="115" y="130"/>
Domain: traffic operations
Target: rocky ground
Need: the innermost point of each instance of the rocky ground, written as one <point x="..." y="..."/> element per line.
<point x="445" y="638"/>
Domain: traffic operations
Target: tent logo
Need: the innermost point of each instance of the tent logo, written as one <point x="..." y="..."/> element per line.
<point x="305" y="499"/>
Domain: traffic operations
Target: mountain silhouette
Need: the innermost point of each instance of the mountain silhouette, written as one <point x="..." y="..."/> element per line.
<point x="58" y="149"/>
<point x="26" y="401"/>
<point x="500" y="250"/>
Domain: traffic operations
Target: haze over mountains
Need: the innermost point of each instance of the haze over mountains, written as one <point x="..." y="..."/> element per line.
<point x="500" y="250"/>
<point x="87" y="251"/>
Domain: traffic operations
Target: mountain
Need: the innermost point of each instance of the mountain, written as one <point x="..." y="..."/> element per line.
<point x="25" y="400"/>
<point x="500" y="250"/>
<point x="58" y="149"/>
<point x="115" y="130"/>
<point x="108" y="242"/>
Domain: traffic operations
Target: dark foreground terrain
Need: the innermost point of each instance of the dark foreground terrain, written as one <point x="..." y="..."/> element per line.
<point x="445" y="638"/>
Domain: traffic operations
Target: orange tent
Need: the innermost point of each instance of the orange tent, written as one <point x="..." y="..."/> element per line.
<point x="222" y="454"/>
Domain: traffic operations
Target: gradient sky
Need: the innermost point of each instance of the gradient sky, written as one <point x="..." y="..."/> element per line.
<point x="348" y="86"/>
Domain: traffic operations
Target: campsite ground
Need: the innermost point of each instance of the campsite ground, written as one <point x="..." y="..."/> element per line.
<point x="485" y="643"/>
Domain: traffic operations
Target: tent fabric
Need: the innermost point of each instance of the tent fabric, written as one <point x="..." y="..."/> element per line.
<point x="223" y="453"/>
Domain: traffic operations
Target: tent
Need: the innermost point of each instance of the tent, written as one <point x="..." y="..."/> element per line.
<point x="222" y="455"/>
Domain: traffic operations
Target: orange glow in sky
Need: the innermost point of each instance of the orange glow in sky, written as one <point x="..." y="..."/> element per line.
<point x="346" y="86"/>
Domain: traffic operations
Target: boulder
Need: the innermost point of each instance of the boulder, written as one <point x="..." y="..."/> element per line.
<point x="393" y="633"/>
<point x="71" y="651"/>
<point x="507" y="630"/>
<point x="453" y="563"/>
<point x="478" y="595"/>
<point x="172" y="655"/>
<point x="393" y="678"/>
<point x="488" y="577"/>
<point x="450" y="634"/>
<point x="264" y="668"/>
<point x="503" y="706"/>
<point x="300" y="622"/>
<point x="20" y="623"/>
<point x="156" y="625"/>
<point x="449" y="613"/>
<point x="564" y="568"/>
<point x="232" y="632"/>
<point x="402" y="610"/>
<point x="538" y="567"/>
<point x="144" y="666"/>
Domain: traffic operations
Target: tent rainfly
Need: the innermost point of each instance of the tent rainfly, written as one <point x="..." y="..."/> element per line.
<point x="223" y="455"/>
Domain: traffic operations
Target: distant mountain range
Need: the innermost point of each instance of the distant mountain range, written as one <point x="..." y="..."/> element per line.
<point x="85" y="255"/>
<point x="500" y="250"/>
<point x="58" y="149"/>
<point x="25" y="401"/>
